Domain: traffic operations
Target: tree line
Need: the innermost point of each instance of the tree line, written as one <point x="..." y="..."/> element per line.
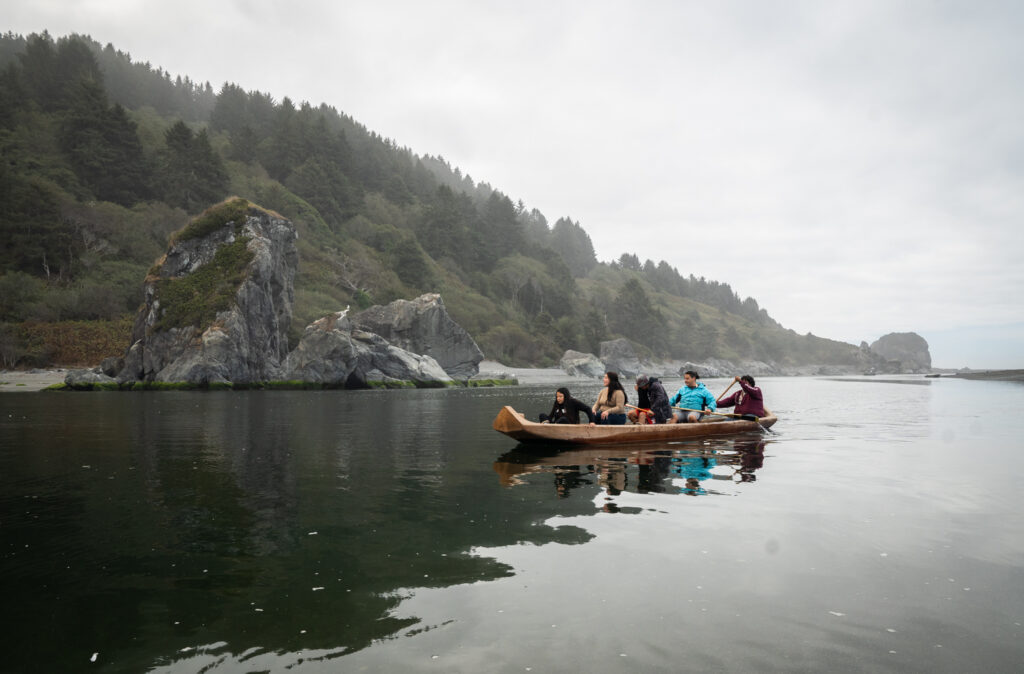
<point x="104" y="157"/>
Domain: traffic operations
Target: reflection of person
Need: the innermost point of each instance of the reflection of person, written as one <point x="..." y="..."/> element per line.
<point x="693" y="469"/>
<point x="692" y="395"/>
<point x="749" y="400"/>
<point x="651" y="475"/>
<point x="751" y="455"/>
<point x="566" y="409"/>
<point x="568" y="478"/>
<point x="651" y="400"/>
<point x="610" y="407"/>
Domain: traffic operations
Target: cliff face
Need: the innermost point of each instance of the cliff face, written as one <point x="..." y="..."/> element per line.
<point x="423" y="326"/>
<point x="218" y="305"/>
<point x="333" y="352"/>
<point x="908" y="351"/>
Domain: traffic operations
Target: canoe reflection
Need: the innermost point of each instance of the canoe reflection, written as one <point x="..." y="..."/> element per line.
<point x="690" y="468"/>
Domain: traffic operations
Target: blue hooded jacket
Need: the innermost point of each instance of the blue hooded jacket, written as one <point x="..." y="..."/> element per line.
<point x="696" y="398"/>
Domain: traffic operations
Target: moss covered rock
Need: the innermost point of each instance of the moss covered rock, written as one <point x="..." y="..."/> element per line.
<point x="218" y="304"/>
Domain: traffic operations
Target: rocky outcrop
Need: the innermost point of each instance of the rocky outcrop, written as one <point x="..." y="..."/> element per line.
<point x="908" y="349"/>
<point x="579" y="364"/>
<point x="333" y="352"/>
<point x="111" y="366"/>
<point x="619" y="356"/>
<point x="218" y="305"/>
<point x="88" y="379"/>
<point x="423" y="326"/>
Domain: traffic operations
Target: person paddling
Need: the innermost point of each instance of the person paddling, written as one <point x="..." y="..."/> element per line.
<point x="692" y="395"/>
<point x="749" y="400"/>
<point x="652" y="402"/>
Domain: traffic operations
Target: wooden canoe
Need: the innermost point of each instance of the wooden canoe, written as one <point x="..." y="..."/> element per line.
<point x="516" y="425"/>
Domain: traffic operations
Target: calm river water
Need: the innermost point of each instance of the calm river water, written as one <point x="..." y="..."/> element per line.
<point x="881" y="529"/>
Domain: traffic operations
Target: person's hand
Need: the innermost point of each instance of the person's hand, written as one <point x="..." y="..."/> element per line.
<point x="604" y="415"/>
<point x="736" y="378"/>
<point x="592" y="423"/>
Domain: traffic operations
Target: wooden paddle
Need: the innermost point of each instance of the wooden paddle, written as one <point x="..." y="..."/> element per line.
<point x="726" y="390"/>
<point x="744" y="417"/>
<point x="721" y="414"/>
<point x="648" y="412"/>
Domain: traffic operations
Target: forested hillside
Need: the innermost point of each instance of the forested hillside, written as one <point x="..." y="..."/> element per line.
<point x="104" y="157"/>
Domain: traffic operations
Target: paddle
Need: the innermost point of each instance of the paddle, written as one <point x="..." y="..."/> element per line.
<point x="743" y="417"/>
<point x="648" y="412"/>
<point x="749" y="417"/>
<point x="726" y="390"/>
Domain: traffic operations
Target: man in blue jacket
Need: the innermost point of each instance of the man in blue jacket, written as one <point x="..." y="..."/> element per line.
<point x="693" y="395"/>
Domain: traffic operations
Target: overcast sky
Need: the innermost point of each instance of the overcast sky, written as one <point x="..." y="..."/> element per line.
<point x="856" y="167"/>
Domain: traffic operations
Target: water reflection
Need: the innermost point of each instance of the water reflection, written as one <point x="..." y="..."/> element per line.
<point x="688" y="468"/>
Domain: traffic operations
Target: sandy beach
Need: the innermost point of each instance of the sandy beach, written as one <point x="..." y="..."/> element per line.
<point x="27" y="381"/>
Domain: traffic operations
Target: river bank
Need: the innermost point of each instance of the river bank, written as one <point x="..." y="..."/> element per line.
<point x="28" y="381"/>
<point x="993" y="375"/>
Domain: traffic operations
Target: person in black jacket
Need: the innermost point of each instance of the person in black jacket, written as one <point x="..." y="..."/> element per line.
<point x="566" y="409"/>
<point x="652" y="400"/>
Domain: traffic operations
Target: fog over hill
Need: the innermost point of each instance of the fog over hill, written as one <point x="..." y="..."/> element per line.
<point x="378" y="221"/>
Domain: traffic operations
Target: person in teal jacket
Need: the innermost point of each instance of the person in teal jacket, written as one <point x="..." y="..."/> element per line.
<point x="693" y="395"/>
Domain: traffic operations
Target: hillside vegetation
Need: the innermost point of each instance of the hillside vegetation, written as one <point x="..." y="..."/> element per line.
<point x="104" y="158"/>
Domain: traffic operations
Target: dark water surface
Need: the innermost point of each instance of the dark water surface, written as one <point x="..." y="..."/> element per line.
<point x="881" y="529"/>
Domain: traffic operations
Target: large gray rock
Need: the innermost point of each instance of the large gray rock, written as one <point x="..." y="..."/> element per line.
<point x="713" y="367"/>
<point x="334" y="352"/>
<point x="243" y="342"/>
<point x="908" y="348"/>
<point x="619" y="356"/>
<point x="756" y="368"/>
<point x="579" y="364"/>
<point x="86" y="379"/>
<point x="423" y="326"/>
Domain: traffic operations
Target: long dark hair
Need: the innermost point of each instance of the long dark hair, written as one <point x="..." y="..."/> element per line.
<point x="565" y="392"/>
<point x="615" y="385"/>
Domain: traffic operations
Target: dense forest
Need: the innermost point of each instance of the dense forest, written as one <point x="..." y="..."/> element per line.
<point x="104" y="157"/>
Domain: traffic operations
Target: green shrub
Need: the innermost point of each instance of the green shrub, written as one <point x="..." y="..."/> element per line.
<point x="196" y="299"/>
<point x="213" y="218"/>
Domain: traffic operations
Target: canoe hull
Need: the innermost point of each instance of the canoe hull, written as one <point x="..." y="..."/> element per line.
<point x="515" y="425"/>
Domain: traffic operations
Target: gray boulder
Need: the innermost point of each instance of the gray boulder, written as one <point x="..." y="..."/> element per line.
<point x="334" y="352"/>
<point x="757" y="368"/>
<point x="619" y="356"/>
<point x="579" y="364"/>
<point x="712" y="368"/>
<point x="86" y="379"/>
<point x="111" y="366"/>
<point x="423" y="326"/>
<point x="218" y="305"/>
<point x="908" y="349"/>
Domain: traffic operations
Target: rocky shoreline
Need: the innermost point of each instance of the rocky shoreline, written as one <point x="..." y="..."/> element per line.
<point x="991" y="375"/>
<point x="491" y="372"/>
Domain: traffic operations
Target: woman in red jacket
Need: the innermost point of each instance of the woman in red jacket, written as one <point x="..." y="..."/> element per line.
<point x="749" y="400"/>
